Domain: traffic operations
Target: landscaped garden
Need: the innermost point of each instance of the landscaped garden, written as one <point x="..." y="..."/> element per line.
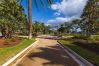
<point x="75" y="22"/>
<point x="10" y="47"/>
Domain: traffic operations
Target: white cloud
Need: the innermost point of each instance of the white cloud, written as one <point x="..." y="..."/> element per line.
<point x="56" y="21"/>
<point x="57" y="14"/>
<point x="61" y="20"/>
<point x="72" y="9"/>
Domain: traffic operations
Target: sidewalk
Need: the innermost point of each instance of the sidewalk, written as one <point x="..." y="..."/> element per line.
<point x="47" y="53"/>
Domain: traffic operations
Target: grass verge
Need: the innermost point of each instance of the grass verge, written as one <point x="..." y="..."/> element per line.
<point x="7" y="53"/>
<point x="88" y="55"/>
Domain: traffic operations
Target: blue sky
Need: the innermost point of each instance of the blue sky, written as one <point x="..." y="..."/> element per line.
<point x="39" y="14"/>
<point x="60" y="12"/>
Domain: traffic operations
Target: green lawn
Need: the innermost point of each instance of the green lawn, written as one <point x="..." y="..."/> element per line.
<point x="88" y="55"/>
<point x="6" y="53"/>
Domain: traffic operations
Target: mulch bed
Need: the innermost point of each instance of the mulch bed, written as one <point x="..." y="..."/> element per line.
<point x="9" y="42"/>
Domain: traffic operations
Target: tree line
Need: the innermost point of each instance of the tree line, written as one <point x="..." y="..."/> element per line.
<point x="13" y="19"/>
<point x="89" y="22"/>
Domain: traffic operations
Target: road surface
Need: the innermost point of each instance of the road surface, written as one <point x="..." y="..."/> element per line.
<point x="47" y="53"/>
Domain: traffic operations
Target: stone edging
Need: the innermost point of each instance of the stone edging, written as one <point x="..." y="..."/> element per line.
<point x="80" y="60"/>
<point x="20" y="53"/>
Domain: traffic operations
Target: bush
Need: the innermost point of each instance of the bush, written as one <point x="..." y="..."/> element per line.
<point x="80" y="37"/>
<point x="94" y="37"/>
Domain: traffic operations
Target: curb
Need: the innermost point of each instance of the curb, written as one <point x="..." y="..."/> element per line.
<point x="80" y="60"/>
<point x="20" y="53"/>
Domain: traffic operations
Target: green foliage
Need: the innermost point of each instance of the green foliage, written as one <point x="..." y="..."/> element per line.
<point x="12" y="18"/>
<point x="79" y="36"/>
<point x="89" y="17"/>
<point x="94" y="37"/>
<point x="69" y="28"/>
<point x="61" y="29"/>
<point x="41" y="28"/>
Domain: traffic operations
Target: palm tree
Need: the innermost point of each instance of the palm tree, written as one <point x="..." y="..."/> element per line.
<point x="30" y="18"/>
<point x="30" y="13"/>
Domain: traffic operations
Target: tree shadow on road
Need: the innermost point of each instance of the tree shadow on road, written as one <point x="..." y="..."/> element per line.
<point x="54" y="55"/>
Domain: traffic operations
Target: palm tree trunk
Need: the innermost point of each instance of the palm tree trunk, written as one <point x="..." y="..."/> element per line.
<point x="30" y="18"/>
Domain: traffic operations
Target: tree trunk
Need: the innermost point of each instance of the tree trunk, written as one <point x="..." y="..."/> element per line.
<point x="30" y="18"/>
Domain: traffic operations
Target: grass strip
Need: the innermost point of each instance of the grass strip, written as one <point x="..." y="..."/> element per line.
<point x="88" y="55"/>
<point x="7" y="53"/>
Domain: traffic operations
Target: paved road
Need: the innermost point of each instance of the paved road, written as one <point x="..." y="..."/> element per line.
<point x="47" y="53"/>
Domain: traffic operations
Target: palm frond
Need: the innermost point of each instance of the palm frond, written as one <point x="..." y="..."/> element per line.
<point x="49" y="2"/>
<point x="36" y="3"/>
<point x="42" y="2"/>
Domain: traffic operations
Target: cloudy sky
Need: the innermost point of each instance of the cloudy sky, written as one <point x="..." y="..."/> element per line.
<point x="59" y="12"/>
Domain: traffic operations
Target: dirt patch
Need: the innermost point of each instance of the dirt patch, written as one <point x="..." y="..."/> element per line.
<point x="9" y="42"/>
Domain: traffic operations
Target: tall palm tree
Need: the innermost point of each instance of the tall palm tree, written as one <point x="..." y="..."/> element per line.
<point x="30" y="13"/>
<point x="30" y="18"/>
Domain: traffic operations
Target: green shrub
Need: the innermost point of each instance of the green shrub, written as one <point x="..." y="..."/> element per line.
<point x="80" y="37"/>
<point x="94" y="37"/>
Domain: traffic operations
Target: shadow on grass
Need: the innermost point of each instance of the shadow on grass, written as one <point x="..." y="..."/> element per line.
<point x="91" y="46"/>
<point x="83" y="49"/>
<point x="54" y="55"/>
<point x="91" y="57"/>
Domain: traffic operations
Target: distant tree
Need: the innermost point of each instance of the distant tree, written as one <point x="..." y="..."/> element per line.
<point x="40" y="28"/>
<point x="61" y="29"/>
<point x="68" y="27"/>
<point x="36" y="27"/>
<point x="76" y="25"/>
